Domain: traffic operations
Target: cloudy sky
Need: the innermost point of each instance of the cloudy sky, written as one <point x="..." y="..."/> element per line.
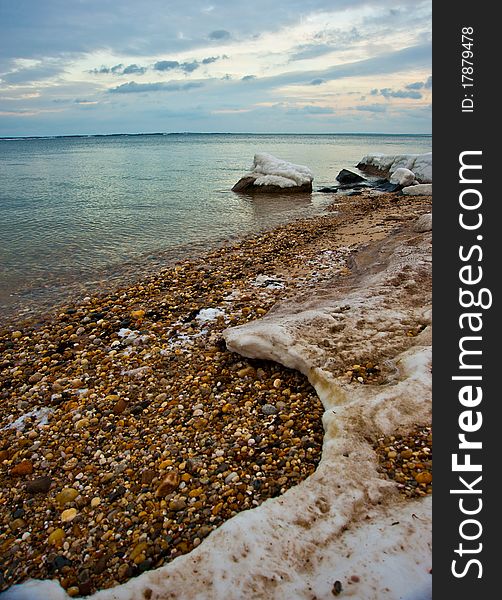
<point x="129" y="66"/>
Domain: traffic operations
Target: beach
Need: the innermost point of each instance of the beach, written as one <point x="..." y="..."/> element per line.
<point x="131" y="431"/>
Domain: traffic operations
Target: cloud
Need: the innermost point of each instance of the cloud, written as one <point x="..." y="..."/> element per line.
<point x="248" y="77"/>
<point x="166" y="65"/>
<point x="316" y="110"/>
<point x="189" y="67"/>
<point x="219" y="34"/>
<point x="162" y="86"/>
<point x="388" y="93"/>
<point x="375" y="108"/>
<point x="428" y="83"/>
<point x="306" y="51"/>
<point x="318" y="81"/>
<point x="136" y="69"/>
<point x="119" y="69"/>
<point x="417" y="85"/>
<point x="31" y="74"/>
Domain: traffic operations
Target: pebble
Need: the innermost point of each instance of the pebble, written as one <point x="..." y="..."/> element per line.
<point x="68" y="515"/>
<point x="157" y="436"/>
<point x="407" y="461"/>
<point x="66" y="495"/>
<point x="25" y="467"/>
<point x="56" y="537"/>
<point x="40" y="485"/>
<point x="168" y="484"/>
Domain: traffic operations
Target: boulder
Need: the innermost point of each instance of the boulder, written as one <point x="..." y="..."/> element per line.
<point x="423" y="223"/>
<point x="346" y="177"/>
<point x="271" y="175"/>
<point x="422" y="189"/>
<point x="402" y="177"/>
<point x="385" y="164"/>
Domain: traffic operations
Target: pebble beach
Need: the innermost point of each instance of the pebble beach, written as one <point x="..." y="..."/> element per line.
<point x="130" y="432"/>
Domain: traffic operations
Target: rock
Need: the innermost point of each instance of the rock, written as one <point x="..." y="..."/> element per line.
<point x="177" y="504"/>
<point x="41" y="485"/>
<point x="423" y="223"/>
<point x="231" y="477"/>
<point x="138" y="550"/>
<point x="168" y="485"/>
<point x="384" y="164"/>
<point x="422" y="189"/>
<point x="147" y="476"/>
<point x="268" y="409"/>
<point x="66" y="495"/>
<point x="35" y="378"/>
<point x="17" y="524"/>
<point x="25" y="467"/>
<point x="424" y="477"/>
<point x="119" y="406"/>
<point x="16" y="335"/>
<point x="348" y="177"/>
<point x="56" y="537"/>
<point x="402" y="177"/>
<point x="68" y="515"/>
<point x="271" y="175"/>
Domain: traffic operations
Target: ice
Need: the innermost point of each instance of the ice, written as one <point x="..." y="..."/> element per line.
<point x="274" y="171"/>
<point x="385" y="164"/>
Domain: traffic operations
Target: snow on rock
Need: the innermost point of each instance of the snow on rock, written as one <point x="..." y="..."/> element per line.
<point x="385" y="164"/>
<point x="422" y="189"/>
<point x="402" y="177"/>
<point x="345" y="522"/>
<point x="269" y="173"/>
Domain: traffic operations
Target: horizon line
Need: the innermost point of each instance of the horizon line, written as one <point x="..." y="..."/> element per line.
<point x="163" y="133"/>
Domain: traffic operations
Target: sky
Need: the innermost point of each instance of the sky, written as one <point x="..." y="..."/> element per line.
<point x="71" y="67"/>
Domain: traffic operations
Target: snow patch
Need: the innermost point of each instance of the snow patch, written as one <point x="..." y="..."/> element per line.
<point x="38" y="414"/>
<point x="275" y="171"/>
<point x="206" y="315"/>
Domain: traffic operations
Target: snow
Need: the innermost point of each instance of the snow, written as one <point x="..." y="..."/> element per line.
<point x="402" y="176"/>
<point x="209" y="314"/>
<point x="274" y="171"/>
<point x="420" y="164"/>
<point x="38" y="414"/>
<point x="345" y="522"/>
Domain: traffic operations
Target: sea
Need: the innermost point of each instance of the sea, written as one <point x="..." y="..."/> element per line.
<point x="84" y="214"/>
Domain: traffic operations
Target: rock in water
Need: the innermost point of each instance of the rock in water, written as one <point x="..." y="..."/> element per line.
<point x="271" y="174"/>
<point x="346" y="177"/>
<point x="385" y="164"/>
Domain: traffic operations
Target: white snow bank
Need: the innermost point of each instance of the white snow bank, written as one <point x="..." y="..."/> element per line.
<point x="274" y="171"/>
<point x="385" y="164"/>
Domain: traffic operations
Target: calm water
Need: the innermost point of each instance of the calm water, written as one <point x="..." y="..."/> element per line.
<point x="82" y="211"/>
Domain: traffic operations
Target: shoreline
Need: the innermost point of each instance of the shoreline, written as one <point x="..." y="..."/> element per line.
<point x="100" y="366"/>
